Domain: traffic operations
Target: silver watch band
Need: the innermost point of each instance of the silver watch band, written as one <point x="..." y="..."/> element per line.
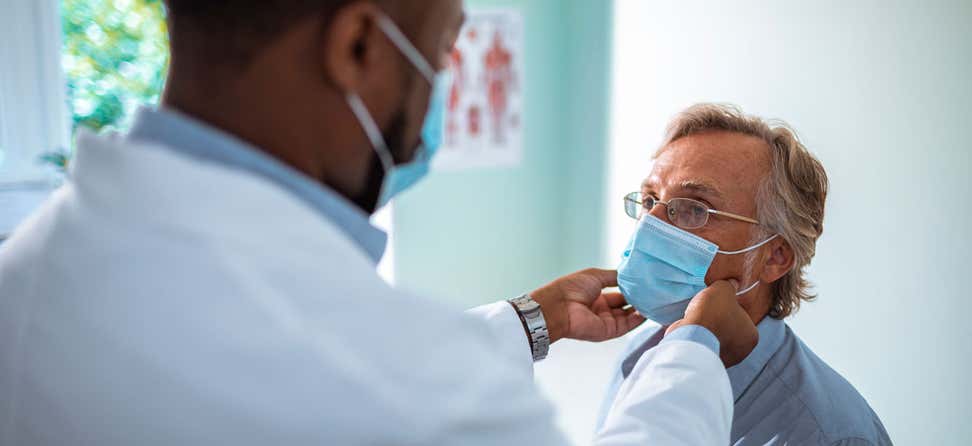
<point x="536" y="326"/>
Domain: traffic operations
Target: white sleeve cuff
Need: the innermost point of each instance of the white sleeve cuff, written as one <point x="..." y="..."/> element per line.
<point x="507" y="329"/>
<point x="694" y="333"/>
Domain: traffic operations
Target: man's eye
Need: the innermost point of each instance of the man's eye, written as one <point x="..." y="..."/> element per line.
<point x="703" y="201"/>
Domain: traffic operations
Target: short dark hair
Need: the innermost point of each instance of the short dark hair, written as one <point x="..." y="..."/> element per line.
<point x="235" y="30"/>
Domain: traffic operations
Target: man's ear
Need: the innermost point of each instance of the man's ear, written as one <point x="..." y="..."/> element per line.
<point x="352" y="45"/>
<point x="779" y="262"/>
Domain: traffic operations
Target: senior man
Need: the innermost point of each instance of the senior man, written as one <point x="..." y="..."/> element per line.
<point x="731" y="196"/>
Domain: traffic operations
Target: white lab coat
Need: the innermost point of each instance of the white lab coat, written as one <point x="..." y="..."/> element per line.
<point x="155" y="299"/>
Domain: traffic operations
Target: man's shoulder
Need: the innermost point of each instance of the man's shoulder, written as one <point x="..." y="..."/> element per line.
<point x="832" y="403"/>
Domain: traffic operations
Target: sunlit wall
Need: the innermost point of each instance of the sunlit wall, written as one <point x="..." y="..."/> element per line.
<point x="880" y="92"/>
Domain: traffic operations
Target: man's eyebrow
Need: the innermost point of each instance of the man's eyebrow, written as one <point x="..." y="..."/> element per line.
<point x="692" y="185"/>
<point x="700" y="186"/>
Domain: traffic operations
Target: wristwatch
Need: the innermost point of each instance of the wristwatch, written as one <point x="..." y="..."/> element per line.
<point x="534" y="324"/>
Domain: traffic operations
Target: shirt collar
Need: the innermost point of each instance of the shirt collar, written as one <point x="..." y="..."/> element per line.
<point x="190" y="137"/>
<point x="770" y="339"/>
<point x="741" y="375"/>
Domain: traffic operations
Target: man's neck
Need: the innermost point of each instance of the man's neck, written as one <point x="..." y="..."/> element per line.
<point x="757" y="304"/>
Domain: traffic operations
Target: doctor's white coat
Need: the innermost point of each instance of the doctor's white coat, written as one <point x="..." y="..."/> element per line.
<point x="155" y="299"/>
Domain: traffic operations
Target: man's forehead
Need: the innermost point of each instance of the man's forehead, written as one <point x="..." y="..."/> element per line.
<point x="718" y="163"/>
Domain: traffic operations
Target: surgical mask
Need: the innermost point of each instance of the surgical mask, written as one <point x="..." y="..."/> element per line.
<point x="664" y="267"/>
<point x="397" y="179"/>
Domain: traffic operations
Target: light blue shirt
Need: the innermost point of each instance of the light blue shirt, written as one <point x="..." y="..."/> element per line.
<point x="197" y="140"/>
<point x="784" y="393"/>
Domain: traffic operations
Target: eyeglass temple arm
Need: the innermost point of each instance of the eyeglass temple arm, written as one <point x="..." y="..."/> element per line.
<point x="735" y="216"/>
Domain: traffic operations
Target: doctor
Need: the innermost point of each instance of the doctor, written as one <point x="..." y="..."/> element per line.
<point x="208" y="278"/>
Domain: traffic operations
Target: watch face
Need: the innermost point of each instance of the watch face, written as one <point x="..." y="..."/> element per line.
<point x="532" y="312"/>
<point x="528" y="307"/>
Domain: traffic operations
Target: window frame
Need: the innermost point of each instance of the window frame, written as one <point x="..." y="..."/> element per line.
<point x="32" y="84"/>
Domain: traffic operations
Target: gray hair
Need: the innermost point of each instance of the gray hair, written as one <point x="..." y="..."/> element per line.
<point x="790" y="200"/>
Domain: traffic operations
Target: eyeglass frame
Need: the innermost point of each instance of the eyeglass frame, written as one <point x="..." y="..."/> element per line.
<point x="709" y="210"/>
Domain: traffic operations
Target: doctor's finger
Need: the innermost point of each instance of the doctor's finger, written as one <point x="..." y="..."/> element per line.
<point x="606" y="277"/>
<point x="631" y="322"/>
<point x="614" y="300"/>
<point x="612" y="325"/>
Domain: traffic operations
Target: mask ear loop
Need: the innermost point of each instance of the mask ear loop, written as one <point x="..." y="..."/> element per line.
<point x="742" y="251"/>
<point x="360" y="110"/>
<point x="753" y="286"/>
<point x="371" y="129"/>
<point x="757" y="246"/>
<point x="407" y="48"/>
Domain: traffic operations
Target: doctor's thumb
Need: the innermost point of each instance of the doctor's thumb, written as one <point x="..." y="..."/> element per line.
<point x="735" y="284"/>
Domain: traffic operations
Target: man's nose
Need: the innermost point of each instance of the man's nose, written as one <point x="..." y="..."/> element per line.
<point x="660" y="211"/>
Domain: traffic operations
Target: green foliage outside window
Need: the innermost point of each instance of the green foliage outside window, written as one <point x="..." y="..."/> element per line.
<point x="115" y="58"/>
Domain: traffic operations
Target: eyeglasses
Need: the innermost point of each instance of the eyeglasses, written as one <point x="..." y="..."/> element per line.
<point x="685" y="213"/>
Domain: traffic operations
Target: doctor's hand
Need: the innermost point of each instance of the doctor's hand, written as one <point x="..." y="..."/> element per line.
<point x="717" y="309"/>
<point x="576" y="307"/>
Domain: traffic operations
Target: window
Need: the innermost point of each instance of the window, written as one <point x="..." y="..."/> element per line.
<point x="69" y="64"/>
<point x="114" y="58"/>
<point x="32" y="106"/>
<point x="3" y="153"/>
<point x="32" y="118"/>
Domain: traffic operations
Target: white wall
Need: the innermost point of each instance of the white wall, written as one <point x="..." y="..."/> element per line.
<point x="33" y="110"/>
<point x="880" y="91"/>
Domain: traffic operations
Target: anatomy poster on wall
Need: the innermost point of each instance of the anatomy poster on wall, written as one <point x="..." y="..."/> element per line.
<point x="484" y="121"/>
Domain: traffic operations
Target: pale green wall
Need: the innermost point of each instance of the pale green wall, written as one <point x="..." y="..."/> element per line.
<point x="584" y="185"/>
<point x="479" y="235"/>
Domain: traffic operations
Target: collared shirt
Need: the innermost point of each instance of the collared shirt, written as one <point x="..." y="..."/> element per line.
<point x="189" y="137"/>
<point x="783" y="392"/>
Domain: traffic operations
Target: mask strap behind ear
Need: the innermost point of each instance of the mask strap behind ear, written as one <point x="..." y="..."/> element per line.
<point x="407" y="48"/>
<point x="757" y="246"/>
<point x="371" y="129"/>
<point x="754" y="285"/>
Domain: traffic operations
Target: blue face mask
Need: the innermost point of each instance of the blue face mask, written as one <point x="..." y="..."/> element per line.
<point x="664" y="267"/>
<point x="402" y="177"/>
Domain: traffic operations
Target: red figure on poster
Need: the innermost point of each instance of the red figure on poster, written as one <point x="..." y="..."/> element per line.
<point x="475" y="116"/>
<point x="455" y="95"/>
<point x="499" y="79"/>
